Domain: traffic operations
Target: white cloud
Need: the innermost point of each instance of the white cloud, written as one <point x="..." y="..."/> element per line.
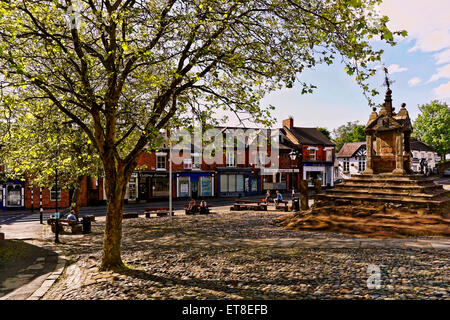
<point x="427" y="22"/>
<point x="442" y="57"/>
<point x="414" y="81"/>
<point x="443" y="72"/>
<point x="394" y="68"/>
<point x="443" y="91"/>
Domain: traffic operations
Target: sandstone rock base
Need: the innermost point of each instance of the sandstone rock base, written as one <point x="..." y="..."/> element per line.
<point x="374" y="221"/>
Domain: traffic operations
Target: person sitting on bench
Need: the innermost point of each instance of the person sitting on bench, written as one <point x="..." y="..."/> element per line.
<point x="72" y="216"/>
<point x="268" y="196"/>
<point x="279" y="198"/>
<point x="203" y="207"/>
<point x="192" y="208"/>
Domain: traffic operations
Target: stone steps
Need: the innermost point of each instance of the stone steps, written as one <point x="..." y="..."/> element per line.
<point x="412" y="187"/>
<point x="418" y="191"/>
<point x="383" y="198"/>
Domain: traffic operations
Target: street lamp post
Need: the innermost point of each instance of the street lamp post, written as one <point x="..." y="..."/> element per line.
<point x="56" y="209"/>
<point x="170" y="182"/>
<point x="293" y="156"/>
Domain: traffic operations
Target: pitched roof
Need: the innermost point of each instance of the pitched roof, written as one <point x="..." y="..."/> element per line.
<point x="310" y="136"/>
<point x="349" y="149"/>
<point x="420" y="146"/>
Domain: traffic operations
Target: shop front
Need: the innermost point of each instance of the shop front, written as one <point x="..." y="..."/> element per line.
<point x="12" y="195"/>
<point x="277" y="179"/>
<point x="195" y="185"/>
<point x="152" y="185"/>
<point x="323" y="172"/>
<point x="237" y="182"/>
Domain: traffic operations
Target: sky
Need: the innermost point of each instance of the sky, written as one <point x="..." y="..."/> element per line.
<point x="419" y="64"/>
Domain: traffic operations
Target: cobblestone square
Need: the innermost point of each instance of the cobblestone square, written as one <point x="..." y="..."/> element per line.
<point x="243" y="255"/>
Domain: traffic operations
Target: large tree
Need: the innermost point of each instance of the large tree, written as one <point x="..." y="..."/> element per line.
<point x="432" y="126"/>
<point x="36" y="143"/>
<point x="350" y="132"/>
<point x="124" y="69"/>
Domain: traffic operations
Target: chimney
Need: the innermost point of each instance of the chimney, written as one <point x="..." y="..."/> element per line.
<point x="289" y="123"/>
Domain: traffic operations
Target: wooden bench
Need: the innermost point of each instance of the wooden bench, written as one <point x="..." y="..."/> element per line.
<point x="160" y="212"/>
<point x="130" y="215"/>
<point x="64" y="224"/>
<point x="248" y="205"/>
<point x="282" y="205"/>
<point x="197" y="209"/>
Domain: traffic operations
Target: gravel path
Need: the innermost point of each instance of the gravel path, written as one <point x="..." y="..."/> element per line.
<point x="243" y="255"/>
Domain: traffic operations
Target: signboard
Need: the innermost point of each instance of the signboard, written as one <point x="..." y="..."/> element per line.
<point x="276" y="170"/>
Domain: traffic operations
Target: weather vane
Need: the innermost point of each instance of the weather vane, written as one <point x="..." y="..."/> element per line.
<point x="387" y="81"/>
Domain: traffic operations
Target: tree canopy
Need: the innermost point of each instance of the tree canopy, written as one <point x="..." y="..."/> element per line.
<point x="325" y="131"/>
<point x="122" y="70"/>
<point x="432" y="126"/>
<point x="350" y="132"/>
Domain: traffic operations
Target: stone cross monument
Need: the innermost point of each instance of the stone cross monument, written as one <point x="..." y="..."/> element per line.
<point x="392" y="132"/>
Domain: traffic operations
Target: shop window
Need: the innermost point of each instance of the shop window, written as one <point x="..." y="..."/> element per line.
<point x="53" y="194"/>
<point x="206" y="186"/>
<point x="239" y="183"/>
<point x="224" y="183"/>
<point x="183" y="186"/>
<point x="254" y="184"/>
<point x="160" y="186"/>
<point x="231" y="183"/>
<point x="160" y="162"/>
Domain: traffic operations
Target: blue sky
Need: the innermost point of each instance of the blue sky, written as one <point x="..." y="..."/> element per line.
<point x="419" y="64"/>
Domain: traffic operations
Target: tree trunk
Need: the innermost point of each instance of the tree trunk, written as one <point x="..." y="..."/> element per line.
<point x="115" y="185"/>
<point x="76" y="196"/>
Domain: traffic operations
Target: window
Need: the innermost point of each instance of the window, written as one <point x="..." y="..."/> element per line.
<point x="231" y="183"/>
<point x="346" y="165"/>
<point x="361" y="164"/>
<point x="160" y="186"/>
<point x="329" y="155"/>
<point x="206" y="186"/>
<point x="53" y="194"/>
<point x="187" y="164"/>
<point x="183" y="186"/>
<point x="312" y="153"/>
<point x="231" y="159"/>
<point x="196" y="161"/>
<point x="132" y="192"/>
<point x="160" y="162"/>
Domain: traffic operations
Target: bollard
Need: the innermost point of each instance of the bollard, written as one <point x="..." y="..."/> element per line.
<point x="318" y="186"/>
<point x="304" y="195"/>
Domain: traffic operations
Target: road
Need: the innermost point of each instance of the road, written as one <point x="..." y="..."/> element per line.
<point x="8" y="217"/>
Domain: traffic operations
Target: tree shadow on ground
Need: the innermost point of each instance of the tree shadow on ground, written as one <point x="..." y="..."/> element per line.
<point x="225" y="286"/>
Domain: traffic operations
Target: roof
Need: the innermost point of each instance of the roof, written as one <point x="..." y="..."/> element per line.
<point x="310" y="136"/>
<point x="420" y="146"/>
<point x="349" y="149"/>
